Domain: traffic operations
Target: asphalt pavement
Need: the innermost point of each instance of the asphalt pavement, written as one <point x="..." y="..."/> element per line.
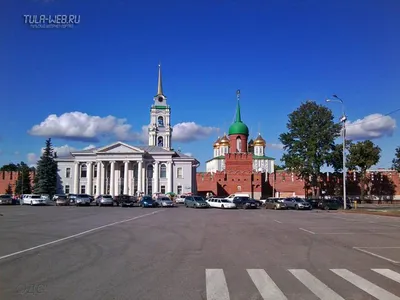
<point x="114" y="253"/>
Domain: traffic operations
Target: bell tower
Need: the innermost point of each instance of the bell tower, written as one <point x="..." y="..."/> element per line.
<point x="160" y="130"/>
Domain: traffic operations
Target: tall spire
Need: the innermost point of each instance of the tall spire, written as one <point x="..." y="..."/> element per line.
<point x="238" y="116"/>
<point x="159" y="86"/>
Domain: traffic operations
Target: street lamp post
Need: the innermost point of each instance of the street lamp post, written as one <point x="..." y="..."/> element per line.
<point x="343" y="121"/>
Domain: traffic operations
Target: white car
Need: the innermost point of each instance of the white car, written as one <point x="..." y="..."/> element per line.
<point x="230" y="197"/>
<point x="180" y="199"/>
<point x="164" y="202"/>
<point x="33" y="199"/>
<point x="221" y="203"/>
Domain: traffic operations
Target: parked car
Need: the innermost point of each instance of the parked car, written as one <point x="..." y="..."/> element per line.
<point x="6" y="199"/>
<point x="126" y="201"/>
<point x="328" y="204"/>
<point x="180" y="199"/>
<point x="348" y="202"/>
<point x="164" y="202"/>
<point x="220" y="203"/>
<point x="104" y="200"/>
<point x="33" y="199"/>
<point x="274" y="203"/>
<point x="62" y="200"/>
<point x="297" y="203"/>
<point x="71" y="198"/>
<point x="244" y="202"/>
<point x="82" y="200"/>
<point x="147" y="201"/>
<point x="196" y="202"/>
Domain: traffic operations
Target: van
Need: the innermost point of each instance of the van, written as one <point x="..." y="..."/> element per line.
<point x="230" y="197"/>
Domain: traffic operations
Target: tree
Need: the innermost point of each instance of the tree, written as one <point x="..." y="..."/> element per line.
<point x="396" y="160"/>
<point x="10" y="168"/>
<point x="23" y="184"/>
<point x="279" y="167"/>
<point x="362" y="156"/>
<point x="309" y="141"/>
<point x="46" y="172"/>
<point x="9" y="190"/>
<point x="336" y="157"/>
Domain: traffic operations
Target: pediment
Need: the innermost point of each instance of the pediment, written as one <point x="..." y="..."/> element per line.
<point x="119" y="147"/>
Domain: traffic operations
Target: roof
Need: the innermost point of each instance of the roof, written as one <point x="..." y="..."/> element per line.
<point x="238" y="127"/>
<point x="263" y="157"/>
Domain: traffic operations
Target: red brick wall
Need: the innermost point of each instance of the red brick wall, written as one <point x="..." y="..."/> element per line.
<point x="232" y="142"/>
<point x="7" y="178"/>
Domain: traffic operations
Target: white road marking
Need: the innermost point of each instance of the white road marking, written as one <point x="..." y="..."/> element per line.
<point x="216" y="286"/>
<point x="388" y="273"/>
<point x="365" y="285"/>
<point x="321" y="290"/>
<point x="309" y="231"/>
<point x="265" y="285"/>
<point x="361" y="249"/>
<point x="278" y="221"/>
<point x="77" y="235"/>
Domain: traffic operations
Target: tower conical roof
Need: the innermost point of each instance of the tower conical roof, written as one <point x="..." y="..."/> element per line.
<point x="238" y="127"/>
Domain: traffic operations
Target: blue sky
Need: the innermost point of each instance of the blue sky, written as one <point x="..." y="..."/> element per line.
<point x="277" y="52"/>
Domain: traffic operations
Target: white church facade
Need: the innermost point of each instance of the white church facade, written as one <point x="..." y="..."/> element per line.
<point x="121" y="168"/>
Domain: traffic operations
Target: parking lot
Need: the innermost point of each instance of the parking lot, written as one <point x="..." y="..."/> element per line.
<point x="60" y="253"/>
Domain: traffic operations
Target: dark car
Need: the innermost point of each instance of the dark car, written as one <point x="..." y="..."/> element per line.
<point x="340" y="201"/>
<point x="126" y="201"/>
<point x="147" y="201"/>
<point x="245" y="202"/>
<point x="328" y="204"/>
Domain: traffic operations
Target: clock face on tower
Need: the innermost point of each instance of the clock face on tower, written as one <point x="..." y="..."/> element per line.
<point x="160" y="99"/>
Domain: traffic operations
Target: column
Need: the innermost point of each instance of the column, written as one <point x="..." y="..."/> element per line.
<point x="103" y="177"/>
<point x="89" y="168"/>
<point x="140" y="166"/>
<point x="155" y="177"/>
<point x="76" y="178"/>
<point x="169" y="177"/>
<point x="126" y="177"/>
<point x="112" y="178"/>
<point x="98" y="179"/>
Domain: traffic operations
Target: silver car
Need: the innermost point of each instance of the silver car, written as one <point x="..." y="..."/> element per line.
<point x="82" y="199"/>
<point x="164" y="202"/>
<point x="104" y="200"/>
<point x="297" y="203"/>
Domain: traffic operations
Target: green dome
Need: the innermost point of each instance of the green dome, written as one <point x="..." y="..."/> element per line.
<point x="239" y="128"/>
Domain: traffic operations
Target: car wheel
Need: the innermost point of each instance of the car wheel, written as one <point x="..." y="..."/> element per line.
<point x="326" y="207"/>
<point x="31" y="203"/>
<point x="275" y="207"/>
<point x="296" y="207"/>
<point x="222" y="206"/>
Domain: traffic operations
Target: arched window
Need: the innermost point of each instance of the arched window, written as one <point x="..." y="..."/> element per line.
<point x="238" y="144"/>
<point x="161" y="121"/>
<point x="239" y="188"/>
<point x="150" y="171"/>
<point x="163" y="171"/>
<point x="160" y="141"/>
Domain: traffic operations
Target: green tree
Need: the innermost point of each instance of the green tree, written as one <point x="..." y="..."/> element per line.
<point x="336" y="157"/>
<point x="279" y="167"/>
<point x="309" y="141"/>
<point x="9" y="190"/>
<point x="46" y="172"/>
<point x="23" y="184"/>
<point x="396" y="160"/>
<point x="9" y="168"/>
<point x="362" y="156"/>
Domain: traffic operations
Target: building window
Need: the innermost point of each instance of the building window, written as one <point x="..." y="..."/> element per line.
<point x="239" y="188"/>
<point x="160" y="141"/>
<point x="95" y="171"/>
<point x="150" y="171"/>
<point x="83" y="189"/>
<point x="163" y="171"/>
<point x="95" y="189"/>
<point x="238" y="144"/>
<point x="68" y="173"/>
<point x="179" y="190"/>
<point x="162" y="190"/>
<point x="179" y="173"/>
<point x="161" y="121"/>
<point x="83" y="171"/>
<point x="67" y="189"/>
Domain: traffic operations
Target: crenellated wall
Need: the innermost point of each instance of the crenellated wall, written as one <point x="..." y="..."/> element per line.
<point x="7" y="178"/>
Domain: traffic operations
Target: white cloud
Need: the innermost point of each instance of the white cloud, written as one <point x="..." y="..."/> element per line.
<point x="188" y="154"/>
<point x="16" y="153"/>
<point x="89" y="147"/>
<point x="371" y="127"/>
<point x="80" y="126"/>
<point x="275" y="146"/>
<point x="32" y="159"/>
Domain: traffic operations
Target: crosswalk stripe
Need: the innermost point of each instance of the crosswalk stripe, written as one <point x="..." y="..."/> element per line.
<point x="388" y="273"/>
<point x="321" y="290"/>
<point x="365" y="285"/>
<point x="216" y="286"/>
<point x="265" y="285"/>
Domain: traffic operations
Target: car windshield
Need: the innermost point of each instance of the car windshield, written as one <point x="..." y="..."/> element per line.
<point x="243" y="198"/>
<point x="36" y="196"/>
<point x="107" y="196"/>
<point x="61" y="197"/>
<point x="147" y="199"/>
<point x="225" y="201"/>
<point x="299" y="200"/>
<point x="165" y="199"/>
<point x="5" y="196"/>
<point x="198" y="199"/>
<point x="82" y="196"/>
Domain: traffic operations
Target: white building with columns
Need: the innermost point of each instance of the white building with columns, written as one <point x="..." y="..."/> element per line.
<point x="121" y="168"/>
